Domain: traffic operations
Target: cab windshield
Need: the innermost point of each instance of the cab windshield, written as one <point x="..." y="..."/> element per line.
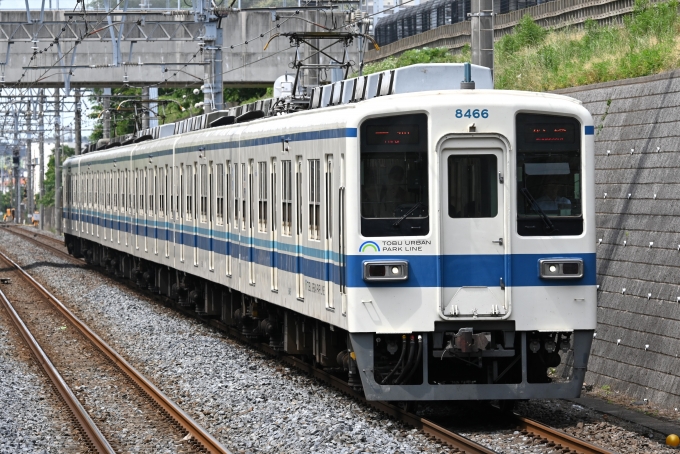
<point x="393" y="176"/>
<point x="549" y="197"/>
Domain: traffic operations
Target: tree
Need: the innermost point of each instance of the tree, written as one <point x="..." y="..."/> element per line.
<point x="48" y="199"/>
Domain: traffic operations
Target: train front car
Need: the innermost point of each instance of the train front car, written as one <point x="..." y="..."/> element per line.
<point x="471" y="270"/>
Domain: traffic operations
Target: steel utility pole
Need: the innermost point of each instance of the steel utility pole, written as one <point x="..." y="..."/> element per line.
<point x="213" y="97"/>
<point x="57" y="161"/>
<point x="481" y="24"/>
<point x="41" y="158"/>
<point x="79" y="138"/>
<point x="145" y="108"/>
<point x="15" y="166"/>
<point x="106" y="101"/>
<point x="29" y="159"/>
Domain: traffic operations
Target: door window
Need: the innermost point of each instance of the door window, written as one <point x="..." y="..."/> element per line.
<point x="473" y="186"/>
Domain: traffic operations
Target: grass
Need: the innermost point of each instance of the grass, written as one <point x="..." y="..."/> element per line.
<point x="536" y="59"/>
<point x="415" y="56"/>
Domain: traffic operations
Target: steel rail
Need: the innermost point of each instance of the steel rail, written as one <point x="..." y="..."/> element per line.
<point x="175" y="412"/>
<point x="430" y="428"/>
<point x="450" y="438"/>
<point x="558" y="437"/>
<point x="528" y="425"/>
<point x="97" y="439"/>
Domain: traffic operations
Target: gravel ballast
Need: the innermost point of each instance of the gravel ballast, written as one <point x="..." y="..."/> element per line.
<point x="249" y="402"/>
<point x="252" y="403"/>
<point x="33" y="419"/>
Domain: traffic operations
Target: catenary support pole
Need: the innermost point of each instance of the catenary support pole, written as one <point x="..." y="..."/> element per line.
<point x="145" y="107"/>
<point x="29" y="158"/>
<point x="57" y="160"/>
<point x="481" y="24"/>
<point x="77" y="120"/>
<point x="16" y="153"/>
<point x="106" y="101"/>
<point x="41" y="158"/>
<point x="213" y="96"/>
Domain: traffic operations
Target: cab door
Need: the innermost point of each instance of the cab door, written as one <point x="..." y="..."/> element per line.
<point x="473" y="236"/>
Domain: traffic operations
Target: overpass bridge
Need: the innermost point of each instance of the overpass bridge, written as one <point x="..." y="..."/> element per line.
<point x="41" y="49"/>
<point x="205" y="46"/>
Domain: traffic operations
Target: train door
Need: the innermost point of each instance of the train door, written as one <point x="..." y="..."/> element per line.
<point x="274" y="265"/>
<point x="299" y="276"/>
<point x="473" y="238"/>
<point x="251" y="231"/>
<point x="228" y="216"/>
<point x="242" y="237"/>
<point x="118" y="203"/>
<point x="110" y="197"/>
<point x="328" y="191"/>
<point x="210" y="215"/>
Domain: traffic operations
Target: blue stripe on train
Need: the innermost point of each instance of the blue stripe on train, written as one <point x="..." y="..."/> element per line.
<point x="473" y="270"/>
<point x="517" y="270"/>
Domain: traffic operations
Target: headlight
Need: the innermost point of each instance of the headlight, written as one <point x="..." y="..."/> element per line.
<point x="560" y="268"/>
<point x="382" y="271"/>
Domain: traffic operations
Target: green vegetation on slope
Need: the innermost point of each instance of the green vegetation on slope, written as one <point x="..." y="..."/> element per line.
<point x="536" y="59"/>
<point x="415" y="56"/>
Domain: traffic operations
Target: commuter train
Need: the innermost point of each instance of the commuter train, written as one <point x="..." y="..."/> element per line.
<point x="421" y="239"/>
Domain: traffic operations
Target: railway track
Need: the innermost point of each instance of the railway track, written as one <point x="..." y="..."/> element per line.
<point x="553" y="439"/>
<point x="89" y="363"/>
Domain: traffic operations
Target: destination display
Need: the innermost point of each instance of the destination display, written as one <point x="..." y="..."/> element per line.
<point x="392" y="134"/>
<point x="547" y="132"/>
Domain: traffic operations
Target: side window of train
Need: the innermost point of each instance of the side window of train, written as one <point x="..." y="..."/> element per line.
<point x="204" y="193"/>
<point x="286" y="197"/>
<point x="219" y="194"/>
<point x="128" y="189"/>
<point x="242" y="190"/>
<point x="298" y="194"/>
<point x="180" y="192"/>
<point x="170" y="189"/>
<point x="174" y="206"/>
<point x="121" y="191"/>
<point x="235" y="182"/>
<point x="116" y="186"/>
<point x="393" y="176"/>
<point x="314" y="198"/>
<point x="151" y="183"/>
<point x="274" y="192"/>
<point x="262" y="196"/>
<point x="189" y="191"/>
<point x="194" y="208"/>
<point x="162" y="189"/>
<point x="134" y="195"/>
<point x="142" y="190"/>
<point x="227" y="193"/>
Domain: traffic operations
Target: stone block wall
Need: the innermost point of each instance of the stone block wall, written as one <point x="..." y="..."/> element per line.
<point x="637" y="148"/>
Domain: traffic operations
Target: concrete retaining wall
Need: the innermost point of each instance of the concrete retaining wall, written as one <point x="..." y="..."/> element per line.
<point x="637" y="148"/>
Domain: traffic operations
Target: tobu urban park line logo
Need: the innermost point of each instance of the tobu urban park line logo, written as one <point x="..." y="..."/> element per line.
<point x="369" y="246"/>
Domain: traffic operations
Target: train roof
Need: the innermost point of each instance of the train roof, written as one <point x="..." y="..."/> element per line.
<point x="395" y="85"/>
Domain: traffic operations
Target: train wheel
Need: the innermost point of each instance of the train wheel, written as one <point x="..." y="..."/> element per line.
<point x="409" y="406"/>
<point x="507" y="406"/>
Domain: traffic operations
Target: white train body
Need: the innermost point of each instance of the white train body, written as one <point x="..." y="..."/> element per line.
<point x="408" y="214"/>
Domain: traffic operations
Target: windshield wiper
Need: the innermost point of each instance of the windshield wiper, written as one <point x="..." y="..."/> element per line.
<point x="534" y="206"/>
<point x="407" y="214"/>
